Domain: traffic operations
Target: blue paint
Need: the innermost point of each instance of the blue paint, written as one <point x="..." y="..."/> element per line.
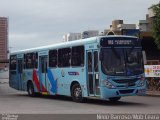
<point x="52" y="80"/>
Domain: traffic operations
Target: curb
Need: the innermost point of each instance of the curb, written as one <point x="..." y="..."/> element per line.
<point x="153" y="93"/>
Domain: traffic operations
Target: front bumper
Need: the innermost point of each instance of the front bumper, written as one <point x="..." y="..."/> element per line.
<point x="109" y="93"/>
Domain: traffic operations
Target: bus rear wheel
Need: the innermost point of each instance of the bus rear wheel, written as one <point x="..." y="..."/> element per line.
<point x="114" y="99"/>
<point x="30" y="89"/>
<point x="76" y="93"/>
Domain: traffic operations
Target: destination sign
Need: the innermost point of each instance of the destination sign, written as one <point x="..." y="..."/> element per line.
<point x="119" y="42"/>
<point x="106" y="42"/>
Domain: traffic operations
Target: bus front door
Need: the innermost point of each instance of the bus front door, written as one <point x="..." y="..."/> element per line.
<point x="93" y="73"/>
<point x="20" y="71"/>
<point x="43" y="74"/>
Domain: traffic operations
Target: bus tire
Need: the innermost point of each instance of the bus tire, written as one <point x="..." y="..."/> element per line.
<point x="76" y="93"/>
<point x="114" y="99"/>
<point x="30" y="89"/>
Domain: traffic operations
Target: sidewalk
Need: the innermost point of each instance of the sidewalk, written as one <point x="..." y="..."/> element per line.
<point x="4" y="77"/>
<point x="4" y="80"/>
<point x="153" y="93"/>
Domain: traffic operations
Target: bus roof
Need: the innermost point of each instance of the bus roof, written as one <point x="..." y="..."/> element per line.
<point x="67" y="44"/>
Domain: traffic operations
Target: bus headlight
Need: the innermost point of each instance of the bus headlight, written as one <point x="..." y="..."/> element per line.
<point x="109" y="85"/>
<point x="141" y="82"/>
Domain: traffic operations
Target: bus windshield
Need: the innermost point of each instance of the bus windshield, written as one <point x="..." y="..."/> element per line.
<point x="122" y="61"/>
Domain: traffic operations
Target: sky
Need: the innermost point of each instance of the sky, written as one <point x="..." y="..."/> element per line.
<point x="34" y="23"/>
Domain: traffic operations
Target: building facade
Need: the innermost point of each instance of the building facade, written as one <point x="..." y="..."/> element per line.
<point x="118" y="28"/>
<point x="83" y="35"/>
<point x="143" y="25"/>
<point x="71" y="37"/>
<point x="90" y="33"/>
<point x="3" y="40"/>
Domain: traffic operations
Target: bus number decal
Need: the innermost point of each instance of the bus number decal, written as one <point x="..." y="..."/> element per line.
<point x="73" y="73"/>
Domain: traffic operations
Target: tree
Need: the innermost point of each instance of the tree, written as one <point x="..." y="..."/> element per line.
<point x="156" y="24"/>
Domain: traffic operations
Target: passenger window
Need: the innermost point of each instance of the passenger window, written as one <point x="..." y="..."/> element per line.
<point x="78" y="56"/>
<point x="95" y="61"/>
<point x="53" y="58"/>
<point x="89" y="62"/>
<point x="31" y="60"/>
<point x="13" y="62"/>
<point x="36" y="60"/>
<point x="20" y="66"/>
<point x="64" y="57"/>
<point x="24" y="62"/>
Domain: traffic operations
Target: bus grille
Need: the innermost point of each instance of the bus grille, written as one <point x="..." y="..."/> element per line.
<point x="126" y="91"/>
<point x="122" y="81"/>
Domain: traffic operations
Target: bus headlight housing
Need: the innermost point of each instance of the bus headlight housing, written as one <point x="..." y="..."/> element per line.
<point x="141" y="82"/>
<point x="109" y="85"/>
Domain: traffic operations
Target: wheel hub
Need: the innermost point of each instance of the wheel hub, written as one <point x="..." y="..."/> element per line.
<point x="77" y="92"/>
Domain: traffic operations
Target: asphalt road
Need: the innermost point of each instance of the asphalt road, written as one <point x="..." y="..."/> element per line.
<point x="13" y="101"/>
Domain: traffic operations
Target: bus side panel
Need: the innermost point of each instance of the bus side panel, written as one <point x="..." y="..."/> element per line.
<point x="51" y="85"/>
<point x="65" y="77"/>
<point x="26" y="76"/>
<point x="13" y="81"/>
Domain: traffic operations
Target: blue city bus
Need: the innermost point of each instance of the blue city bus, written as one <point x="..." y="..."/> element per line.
<point x="103" y="67"/>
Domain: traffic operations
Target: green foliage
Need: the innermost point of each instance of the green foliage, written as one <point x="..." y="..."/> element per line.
<point x="156" y="25"/>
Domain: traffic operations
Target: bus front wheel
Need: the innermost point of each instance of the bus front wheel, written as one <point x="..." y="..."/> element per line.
<point x="114" y="99"/>
<point x="30" y="89"/>
<point x="77" y="93"/>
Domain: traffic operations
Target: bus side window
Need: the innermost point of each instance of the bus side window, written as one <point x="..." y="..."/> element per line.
<point x="28" y="61"/>
<point x="89" y="62"/>
<point x="13" y="62"/>
<point x="78" y="56"/>
<point x="95" y="61"/>
<point x="24" y="62"/>
<point x="64" y="57"/>
<point x="31" y="60"/>
<point x="53" y="58"/>
<point x="36" y="60"/>
<point x="20" y="66"/>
